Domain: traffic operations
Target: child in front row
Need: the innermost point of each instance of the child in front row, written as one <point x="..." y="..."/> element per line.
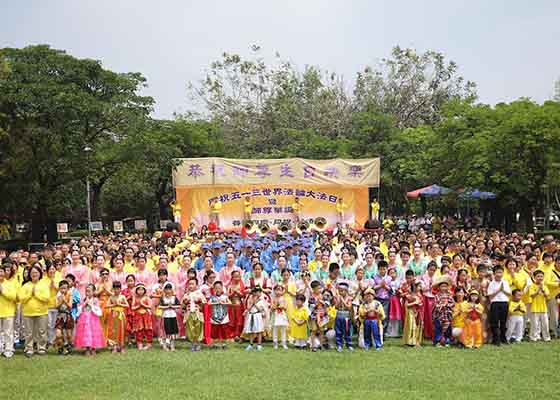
<point x="538" y="292"/>
<point x="116" y="319"/>
<point x="219" y="316"/>
<point x="472" y="314"/>
<point x="299" y="326"/>
<point x="64" y="325"/>
<point x="279" y="317"/>
<point x="254" y="318"/>
<point x="169" y="304"/>
<point x="194" y="301"/>
<point x="142" y="318"/>
<point x="516" y="317"/>
<point x="372" y="314"/>
<point x="89" y="334"/>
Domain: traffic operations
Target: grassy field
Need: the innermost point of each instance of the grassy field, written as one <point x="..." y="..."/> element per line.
<point x="523" y="371"/>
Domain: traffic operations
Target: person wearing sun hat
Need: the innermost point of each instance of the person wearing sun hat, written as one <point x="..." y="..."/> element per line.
<point x="443" y="312"/>
<point x="372" y="314"/>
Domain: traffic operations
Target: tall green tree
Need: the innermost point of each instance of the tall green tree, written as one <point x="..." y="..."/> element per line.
<point x="54" y="106"/>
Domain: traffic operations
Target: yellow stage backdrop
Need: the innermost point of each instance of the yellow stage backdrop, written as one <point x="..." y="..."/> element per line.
<point x="272" y="186"/>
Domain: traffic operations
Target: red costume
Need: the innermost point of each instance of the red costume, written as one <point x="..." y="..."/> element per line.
<point x="142" y="323"/>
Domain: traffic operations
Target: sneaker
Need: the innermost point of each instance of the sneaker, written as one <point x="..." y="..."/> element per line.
<point x="224" y="346"/>
<point x="275" y="346"/>
<point x="378" y="349"/>
<point x="259" y="347"/>
<point x="193" y="348"/>
<point x="249" y="348"/>
<point x="285" y="347"/>
<point x="8" y="354"/>
<point x="350" y="348"/>
<point x="29" y="354"/>
<point x="339" y="349"/>
<point x="43" y="352"/>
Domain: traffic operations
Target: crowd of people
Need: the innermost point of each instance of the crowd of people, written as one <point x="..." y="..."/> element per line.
<point x="314" y="290"/>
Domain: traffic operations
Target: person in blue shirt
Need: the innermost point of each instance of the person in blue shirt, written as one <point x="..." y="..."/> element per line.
<point x="199" y="263"/>
<point x="244" y="259"/>
<point x="218" y="257"/>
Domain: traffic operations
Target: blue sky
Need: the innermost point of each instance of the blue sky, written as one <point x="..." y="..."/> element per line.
<point x="509" y="48"/>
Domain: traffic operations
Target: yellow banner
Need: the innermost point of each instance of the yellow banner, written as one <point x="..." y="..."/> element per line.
<point x="271" y="203"/>
<point x="193" y="172"/>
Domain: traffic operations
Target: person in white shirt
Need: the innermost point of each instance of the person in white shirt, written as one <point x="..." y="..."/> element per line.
<point x="499" y="293"/>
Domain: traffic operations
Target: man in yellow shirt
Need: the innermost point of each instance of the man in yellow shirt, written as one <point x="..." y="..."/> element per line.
<point x="539" y="293"/>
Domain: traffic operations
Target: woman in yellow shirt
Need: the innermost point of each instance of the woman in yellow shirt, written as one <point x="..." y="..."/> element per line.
<point x="34" y="296"/>
<point x="7" y="311"/>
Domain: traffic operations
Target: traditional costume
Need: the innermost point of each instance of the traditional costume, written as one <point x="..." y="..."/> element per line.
<point x="472" y="333"/>
<point x="89" y="332"/>
<point x="142" y="318"/>
<point x="372" y="315"/>
<point x="414" y="320"/>
<point x="194" y="318"/>
<point x="116" y="320"/>
<point x="219" y="317"/>
<point x="343" y="320"/>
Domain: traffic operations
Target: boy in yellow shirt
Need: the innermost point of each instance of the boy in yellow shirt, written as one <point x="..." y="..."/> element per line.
<point x="539" y="294"/>
<point x="516" y="320"/>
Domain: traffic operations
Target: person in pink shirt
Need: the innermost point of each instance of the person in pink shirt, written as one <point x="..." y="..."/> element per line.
<point x="142" y="274"/>
<point x="180" y="278"/>
<point x="225" y="273"/>
<point x="80" y="272"/>
<point x="118" y="274"/>
<point x="98" y="265"/>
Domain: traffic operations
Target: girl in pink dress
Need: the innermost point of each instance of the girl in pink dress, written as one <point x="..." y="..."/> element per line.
<point x="89" y="335"/>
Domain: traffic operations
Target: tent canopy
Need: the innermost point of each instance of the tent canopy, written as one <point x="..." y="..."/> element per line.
<point x="429" y="191"/>
<point x="477" y="194"/>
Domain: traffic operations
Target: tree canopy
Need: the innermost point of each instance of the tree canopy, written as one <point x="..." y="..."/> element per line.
<point x="64" y="120"/>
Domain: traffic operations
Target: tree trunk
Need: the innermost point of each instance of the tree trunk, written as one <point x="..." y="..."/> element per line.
<point x="95" y="200"/>
<point x="38" y="223"/>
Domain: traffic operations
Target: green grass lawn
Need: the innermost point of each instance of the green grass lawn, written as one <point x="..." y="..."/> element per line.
<point x="522" y="371"/>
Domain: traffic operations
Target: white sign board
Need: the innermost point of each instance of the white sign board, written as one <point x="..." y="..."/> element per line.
<point x="163" y="223"/>
<point x="96" y="226"/>
<point x="140" y="224"/>
<point x="62" y="227"/>
<point x="118" y="226"/>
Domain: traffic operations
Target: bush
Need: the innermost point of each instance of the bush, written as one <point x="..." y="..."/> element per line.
<point x="555" y="234"/>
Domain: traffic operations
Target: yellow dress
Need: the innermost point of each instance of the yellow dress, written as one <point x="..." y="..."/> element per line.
<point x="299" y="331"/>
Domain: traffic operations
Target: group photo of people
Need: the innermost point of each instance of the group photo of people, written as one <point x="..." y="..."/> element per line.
<point x="334" y="290"/>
